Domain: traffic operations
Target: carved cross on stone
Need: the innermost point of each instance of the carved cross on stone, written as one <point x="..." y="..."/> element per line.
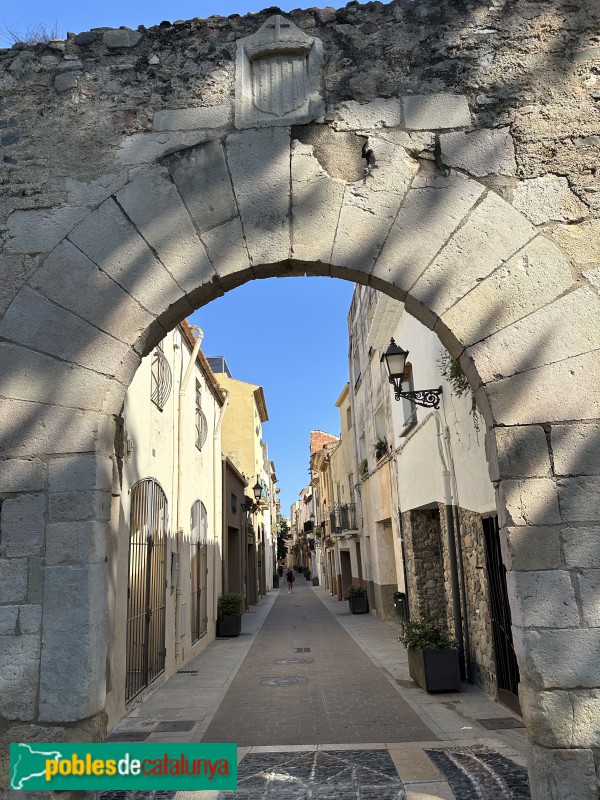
<point x="278" y="76"/>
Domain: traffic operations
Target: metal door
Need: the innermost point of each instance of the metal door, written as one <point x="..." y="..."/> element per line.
<point x="146" y="591"/>
<point x="507" y="670"/>
<point x="199" y="554"/>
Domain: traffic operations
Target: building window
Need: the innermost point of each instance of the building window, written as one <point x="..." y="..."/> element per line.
<point x="201" y="424"/>
<point x="356" y="368"/>
<point x="409" y="409"/>
<point x="160" y="378"/>
<point x="348" y="418"/>
<point x="233" y="503"/>
<point x="199" y="559"/>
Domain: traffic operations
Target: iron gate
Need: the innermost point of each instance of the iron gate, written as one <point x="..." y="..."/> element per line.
<point x="507" y="670"/>
<point x="199" y="525"/>
<point x="146" y="591"/>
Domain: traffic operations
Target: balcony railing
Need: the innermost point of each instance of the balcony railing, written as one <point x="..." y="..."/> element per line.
<point x="343" y="518"/>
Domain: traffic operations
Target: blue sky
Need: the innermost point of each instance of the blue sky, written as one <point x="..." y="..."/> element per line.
<point x="287" y="335"/>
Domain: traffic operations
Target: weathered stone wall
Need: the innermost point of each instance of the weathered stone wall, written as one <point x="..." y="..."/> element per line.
<point x="424" y="564"/>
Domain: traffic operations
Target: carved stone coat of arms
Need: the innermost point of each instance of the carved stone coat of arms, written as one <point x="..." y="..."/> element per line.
<point x="278" y="76"/>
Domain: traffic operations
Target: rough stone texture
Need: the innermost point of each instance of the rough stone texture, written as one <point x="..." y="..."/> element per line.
<point x="80" y="473"/>
<point x="15" y="270"/>
<point x="21" y="475"/>
<point x="548" y="198"/>
<point x="380" y="113"/>
<point x="316" y="203"/>
<point x="188" y="119"/>
<point x="22" y="525"/>
<point x="30" y="618"/>
<point x="491" y="234"/>
<point x="8" y="619"/>
<point x="589" y="591"/>
<point x="121" y="38"/>
<point x="19" y="665"/>
<point x="436" y="112"/>
<point x="536" y="652"/>
<point x="529" y="280"/>
<point x="579" y="499"/>
<point x="259" y="162"/>
<point x="542" y="598"/>
<point x="75" y="543"/>
<point x="148" y="148"/>
<point x="13" y="580"/>
<point x="581" y="242"/>
<point x="40" y="231"/>
<point x="480" y="153"/>
<point x="424" y="564"/>
<point x="576" y="713"/>
<point x="71" y="596"/>
<point x="74" y="506"/>
<point x="226" y="248"/>
<point x="520" y="453"/>
<point x="576" y="449"/>
<point x="581" y="546"/>
<point x="170" y="233"/>
<point x="431" y="211"/>
<point x="531" y="547"/>
<point x="568" y="774"/>
<point x="529" y="502"/>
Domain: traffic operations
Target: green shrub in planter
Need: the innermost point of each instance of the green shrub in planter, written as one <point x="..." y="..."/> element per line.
<point x="306" y="573"/>
<point x="432" y="655"/>
<point x="230" y="604"/>
<point x="357" y="600"/>
<point x="425" y="634"/>
<point x="356" y="591"/>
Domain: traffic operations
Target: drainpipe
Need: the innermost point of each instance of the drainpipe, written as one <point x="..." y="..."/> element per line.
<point x="179" y="509"/>
<point x="217" y="462"/>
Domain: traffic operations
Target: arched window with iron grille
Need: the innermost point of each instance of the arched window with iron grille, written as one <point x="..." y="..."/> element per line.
<point x="201" y="423"/>
<point x="199" y="559"/>
<point x="161" y="379"/>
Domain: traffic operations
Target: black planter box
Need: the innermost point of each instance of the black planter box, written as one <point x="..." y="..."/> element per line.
<point x="275" y="581"/>
<point x="358" y="605"/>
<point x="315" y="581"/>
<point x="230" y="625"/>
<point x="435" y="670"/>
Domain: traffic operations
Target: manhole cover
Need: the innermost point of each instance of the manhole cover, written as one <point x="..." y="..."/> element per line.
<point x="303" y="649"/>
<point x="286" y="680"/>
<point x="175" y="725"/>
<point x="128" y="736"/>
<point x="294" y="661"/>
<point x="500" y="723"/>
<point x="187" y="671"/>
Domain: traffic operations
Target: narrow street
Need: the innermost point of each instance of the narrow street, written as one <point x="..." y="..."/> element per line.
<point x="321" y="705"/>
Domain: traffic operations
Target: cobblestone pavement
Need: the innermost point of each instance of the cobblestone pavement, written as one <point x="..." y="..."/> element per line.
<point x="319" y="704"/>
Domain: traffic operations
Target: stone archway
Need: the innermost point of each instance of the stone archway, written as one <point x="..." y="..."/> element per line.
<point x="171" y="219"/>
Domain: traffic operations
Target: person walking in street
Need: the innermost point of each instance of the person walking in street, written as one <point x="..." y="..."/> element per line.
<point x="290" y="580"/>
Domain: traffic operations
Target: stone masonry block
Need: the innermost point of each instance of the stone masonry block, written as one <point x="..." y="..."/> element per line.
<point x="148" y="148"/>
<point x="316" y="203"/>
<point x="533" y="501"/>
<point x="226" y="248"/>
<point x="8" y="619"/>
<point x="121" y="38"/>
<point x="72" y="683"/>
<point x="547" y="337"/>
<point x="566" y="390"/>
<point x="547" y="714"/>
<point x="540" y="598"/>
<point x="430" y="213"/>
<point x="171" y="232"/>
<point x="22" y="525"/>
<point x="111" y="241"/>
<point x="35" y="376"/>
<point x="31" y="428"/>
<point x="78" y="543"/>
<point x="202" y="179"/>
<point x="30" y="618"/>
<point x="493" y="232"/>
<point x="22" y="475"/>
<point x="581" y="242"/>
<point x="568" y="774"/>
<point x="589" y="591"/>
<point x="480" y="153"/>
<point x="74" y="506"/>
<point x="71" y="279"/>
<point x="80" y="473"/>
<point x="531" y="547"/>
<point x="35" y="579"/>
<point x="581" y="546"/>
<point x="188" y="119"/>
<point x="541" y="655"/>
<point x="532" y="278"/>
<point x="19" y="665"/>
<point x="13" y="580"/>
<point x="15" y="270"/>
<point x="39" y="231"/>
<point x="379" y="113"/>
<point x="576" y="449"/>
<point x="521" y="452"/>
<point x="259" y="163"/>
<point x="547" y="199"/>
<point x="429" y="112"/>
<point x="36" y="322"/>
<point x="579" y="499"/>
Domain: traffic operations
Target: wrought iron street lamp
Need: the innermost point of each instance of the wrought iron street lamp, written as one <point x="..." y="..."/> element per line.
<point x="257" y="490"/>
<point x="395" y="362"/>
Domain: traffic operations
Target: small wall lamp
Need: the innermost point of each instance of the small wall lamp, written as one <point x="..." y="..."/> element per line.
<point x="394" y="359"/>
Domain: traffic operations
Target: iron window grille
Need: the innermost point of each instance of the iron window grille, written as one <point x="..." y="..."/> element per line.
<point x="201" y="423"/>
<point x="161" y="379"/>
<point x="199" y="570"/>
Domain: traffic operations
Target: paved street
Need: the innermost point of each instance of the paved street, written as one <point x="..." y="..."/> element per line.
<point x="320" y="704"/>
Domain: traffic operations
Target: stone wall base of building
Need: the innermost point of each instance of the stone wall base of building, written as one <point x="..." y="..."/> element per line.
<point x="383" y="599"/>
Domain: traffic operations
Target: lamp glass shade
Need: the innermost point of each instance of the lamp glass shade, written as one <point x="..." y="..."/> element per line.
<point x="257" y="489"/>
<point x="395" y="360"/>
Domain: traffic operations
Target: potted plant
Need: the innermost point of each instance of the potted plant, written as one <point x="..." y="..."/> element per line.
<point x="380" y="448"/>
<point x="315" y="581"/>
<point x="306" y="573"/>
<point x="363" y="467"/>
<point x="432" y="655"/>
<point x="357" y="600"/>
<point x="229" y="614"/>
